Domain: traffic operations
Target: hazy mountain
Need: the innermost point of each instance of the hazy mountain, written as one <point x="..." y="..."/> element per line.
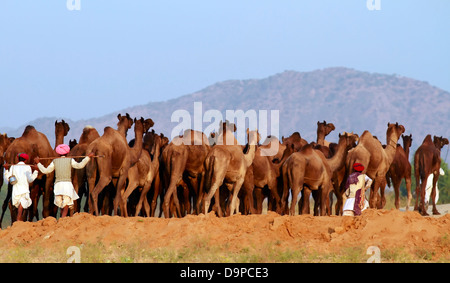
<point x="352" y="100"/>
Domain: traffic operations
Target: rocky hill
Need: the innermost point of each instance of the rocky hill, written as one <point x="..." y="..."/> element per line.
<point x="352" y="100"/>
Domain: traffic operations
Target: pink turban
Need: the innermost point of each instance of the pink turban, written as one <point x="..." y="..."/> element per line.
<point x="62" y="149"/>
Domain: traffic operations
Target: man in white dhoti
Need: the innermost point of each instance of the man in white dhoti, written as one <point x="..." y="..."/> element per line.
<point x="64" y="191"/>
<point x="356" y="186"/>
<point x="429" y="187"/>
<point x="20" y="197"/>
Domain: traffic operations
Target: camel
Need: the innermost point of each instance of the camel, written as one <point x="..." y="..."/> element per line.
<point x="34" y="143"/>
<point x="117" y="158"/>
<point x="183" y="165"/>
<point x="79" y="180"/>
<point x="375" y="158"/>
<point x="323" y="129"/>
<point x="142" y="175"/>
<point x="294" y="139"/>
<point x="227" y="164"/>
<point x="61" y="130"/>
<point x="309" y="167"/>
<point x="5" y="142"/>
<point x="427" y="160"/>
<point x="400" y="169"/>
<point x="266" y="173"/>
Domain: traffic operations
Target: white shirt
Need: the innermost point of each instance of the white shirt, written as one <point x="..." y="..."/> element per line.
<point x="23" y="175"/>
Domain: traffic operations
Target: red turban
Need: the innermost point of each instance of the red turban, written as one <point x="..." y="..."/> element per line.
<point x="358" y="167"/>
<point x="23" y="155"/>
<point x="62" y="149"/>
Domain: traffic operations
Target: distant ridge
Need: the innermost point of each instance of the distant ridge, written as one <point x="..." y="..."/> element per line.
<point x="352" y="100"/>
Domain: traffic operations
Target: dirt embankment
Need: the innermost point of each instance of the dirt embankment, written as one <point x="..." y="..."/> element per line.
<point x="381" y="228"/>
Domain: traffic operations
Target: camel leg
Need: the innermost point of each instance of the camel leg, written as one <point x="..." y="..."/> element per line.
<point x="284" y="198"/>
<point x="199" y="194"/>
<point x="234" y="205"/>
<point x="93" y="195"/>
<point x="382" y="201"/>
<point x="408" y="189"/>
<point x="5" y="203"/>
<point x="212" y="191"/>
<point x="418" y="186"/>
<point x="422" y="208"/>
<point x="433" y="194"/>
<point x="156" y="190"/>
<point x="303" y="204"/>
<point x="169" y="193"/>
<point x="132" y="185"/>
<point x="119" y="191"/>
<point x="258" y="200"/>
<point x="142" y="198"/>
<point x="374" y="193"/>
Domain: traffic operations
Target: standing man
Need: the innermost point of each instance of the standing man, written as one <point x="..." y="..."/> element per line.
<point x="21" y="189"/>
<point x="64" y="191"/>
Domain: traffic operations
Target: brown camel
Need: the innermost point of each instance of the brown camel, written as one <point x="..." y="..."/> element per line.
<point x="400" y="169"/>
<point x="427" y="160"/>
<point x="375" y="158"/>
<point x="142" y="175"/>
<point x="117" y="158"/>
<point x="149" y="142"/>
<point x="35" y="144"/>
<point x="79" y="180"/>
<point x="227" y="164"/>
<point x="182" y="164"/>
<point x="61" y="130"/>
<point x="265" y="175"/>
<point x="5" y="142"/>
<point x="310" y="168"/>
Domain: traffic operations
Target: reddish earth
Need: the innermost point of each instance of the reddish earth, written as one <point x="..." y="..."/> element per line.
<point x="383" y="228"/>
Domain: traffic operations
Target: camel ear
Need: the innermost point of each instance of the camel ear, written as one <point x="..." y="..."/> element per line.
<point x="339" y="135"/>
<point x="119" y="116"/>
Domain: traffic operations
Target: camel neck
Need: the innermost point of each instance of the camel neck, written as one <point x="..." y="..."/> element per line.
<point x="338" y="160"/>
<point x="391" y="147"/>
<point x="136" y="150"/>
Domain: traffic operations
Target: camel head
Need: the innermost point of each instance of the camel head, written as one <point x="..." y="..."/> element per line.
<point x="139" y="125"/>
<point x="349" y="139"/>
<point x="439" y="142"/>
<point x="325" y="128"/>
<point x="73" y="143"/>
<point x="61" y="128"/>
<point x="148" y="123"/>
<point x="125" y="120"/>
<point x="227" y="126"/>
<point x="394" y="132"/>
<point x="407" y="141"/>
<point x="253" y="137"/>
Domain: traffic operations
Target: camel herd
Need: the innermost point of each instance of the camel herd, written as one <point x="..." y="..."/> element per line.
<point x="195" y="174"/>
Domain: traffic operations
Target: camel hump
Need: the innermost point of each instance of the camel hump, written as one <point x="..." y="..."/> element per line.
<point x="427" y="139"/>
<point x="28" y="129"/>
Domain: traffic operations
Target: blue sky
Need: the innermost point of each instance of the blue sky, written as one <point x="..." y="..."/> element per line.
<point x="111" y="54"/>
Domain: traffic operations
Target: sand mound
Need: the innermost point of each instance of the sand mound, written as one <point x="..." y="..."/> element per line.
<point x="382" y="228"/>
